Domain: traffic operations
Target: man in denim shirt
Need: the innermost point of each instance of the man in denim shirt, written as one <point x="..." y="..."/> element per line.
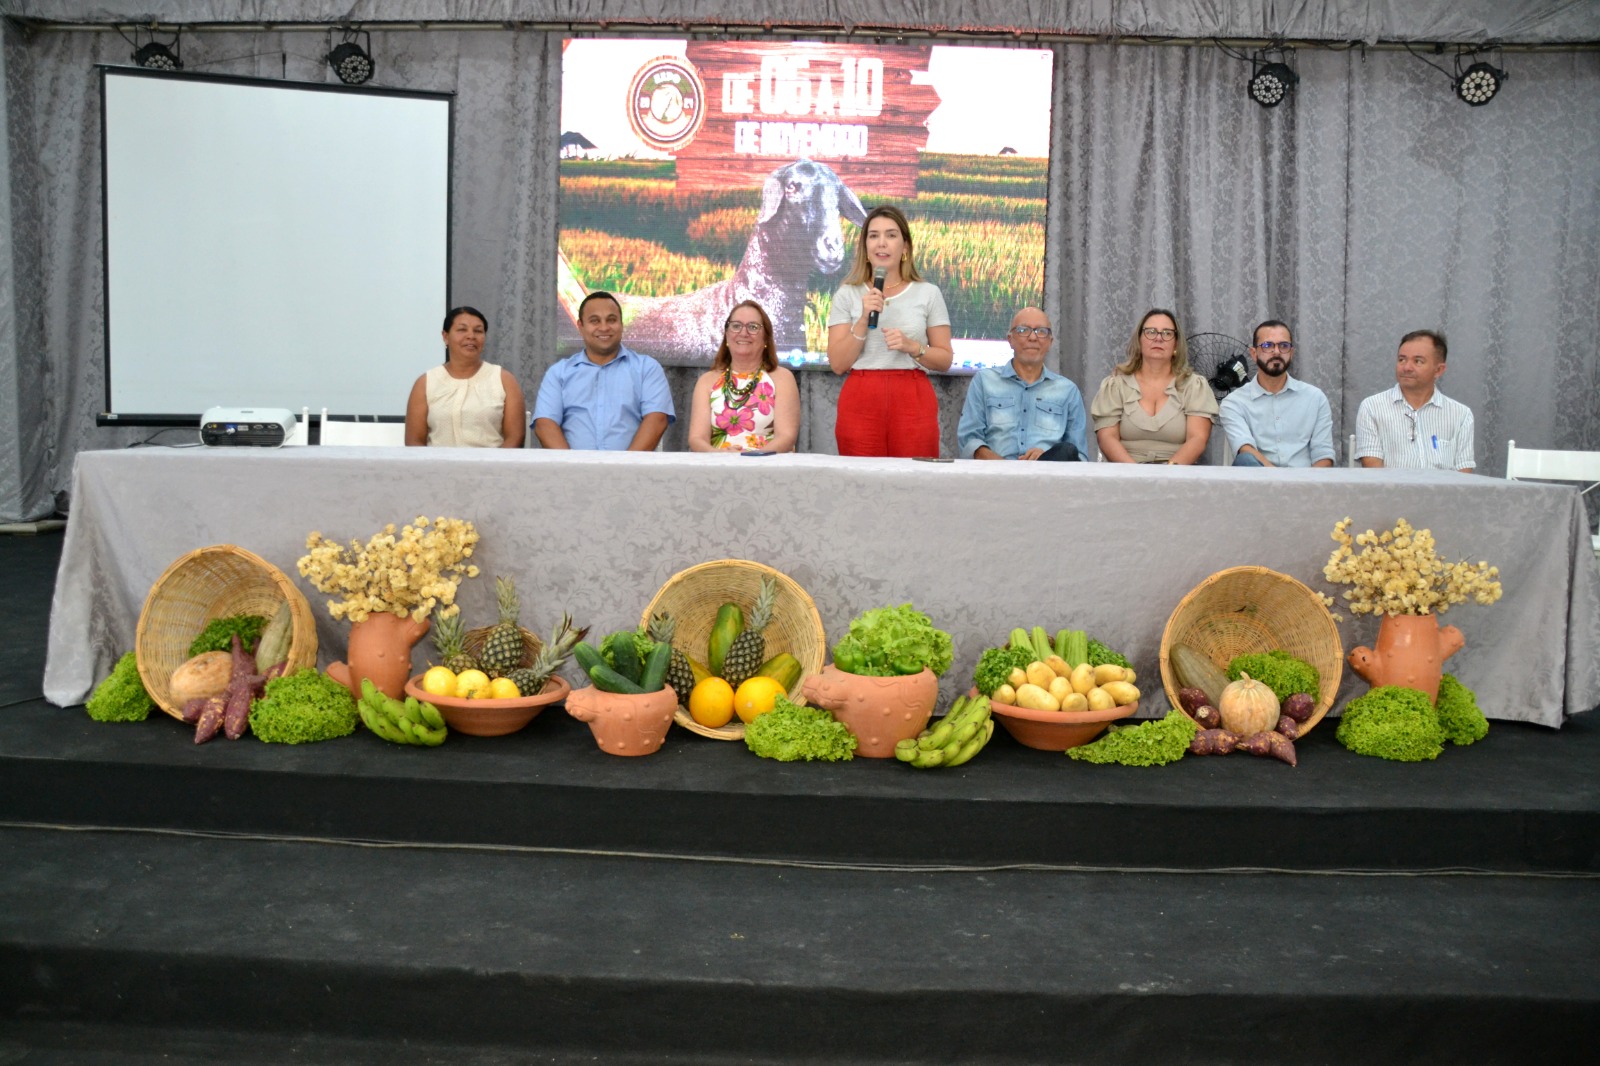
<point x="1022" y="410"/>
<point x="1276" y="420"/>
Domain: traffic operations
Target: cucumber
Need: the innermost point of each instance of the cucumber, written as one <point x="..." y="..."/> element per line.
<point x="1042" y="648"/>
<point x="588" y="656"/>
<point x="625" y="655"/>
<point x="608" y="680"/>
<point x="724" y="631"/>
<point x="655" y="668"/>
<point x="1194" y="670"/>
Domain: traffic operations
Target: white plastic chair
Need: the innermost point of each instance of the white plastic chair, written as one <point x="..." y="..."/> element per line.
<point x="370" y="434"/>
<point x="1350" y="455"/>
<point x="1542" y="464"/>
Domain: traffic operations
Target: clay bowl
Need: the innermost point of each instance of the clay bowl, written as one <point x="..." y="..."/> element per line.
<point x="1055" y="730"/>
<point x="491" y="718"/>
<point x="880" y="711"/>
<point x="625" y="724"/>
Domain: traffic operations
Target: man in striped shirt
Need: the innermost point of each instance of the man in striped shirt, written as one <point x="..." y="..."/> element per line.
<point x="1414" y="425"/>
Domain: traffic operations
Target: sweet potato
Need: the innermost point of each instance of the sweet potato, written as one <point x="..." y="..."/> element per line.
<point x="1270" y="743"/>
<point x="1299" y="706"/>
<point x="1288" y="727"/>
<point x="1213" y="742"/>
<point x="1192" y="699"/>
<point x="210" y="720"/>
<point x="1207" y="717"/>
<point x="192" y="709"/>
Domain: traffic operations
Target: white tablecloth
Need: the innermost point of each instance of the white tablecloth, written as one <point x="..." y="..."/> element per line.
<point x="981" y="547"/>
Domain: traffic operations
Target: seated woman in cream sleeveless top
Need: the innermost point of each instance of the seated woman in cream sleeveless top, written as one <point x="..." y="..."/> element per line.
<point x="466" y="403"/>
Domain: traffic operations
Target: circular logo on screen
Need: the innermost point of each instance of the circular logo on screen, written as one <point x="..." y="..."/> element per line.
<point x="666" y="103"/>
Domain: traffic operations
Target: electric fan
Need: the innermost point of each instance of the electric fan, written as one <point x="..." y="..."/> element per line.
<point x="1222" y="360"/>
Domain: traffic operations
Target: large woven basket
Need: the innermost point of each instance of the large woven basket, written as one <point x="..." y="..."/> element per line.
<point x="1252" y="609"/>
<point x="692" y="598"/>
<point x="209" y="583"/>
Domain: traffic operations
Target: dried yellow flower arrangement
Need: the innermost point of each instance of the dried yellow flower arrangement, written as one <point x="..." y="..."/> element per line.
<point x="406" y="574"/>
<point x="1398" y="572"/>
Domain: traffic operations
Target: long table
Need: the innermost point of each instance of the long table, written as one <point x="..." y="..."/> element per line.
<point x="981" y="547"/>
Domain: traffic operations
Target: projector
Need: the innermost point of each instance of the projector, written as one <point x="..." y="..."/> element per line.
<point x="261" y="427"/>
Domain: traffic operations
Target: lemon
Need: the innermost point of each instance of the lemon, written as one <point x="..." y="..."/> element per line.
<point x="501" y="688"/>
<point x="468" y="682"/>
<point x="757" y="696"/>
<point x="439" y="681"/>
<point x="711" y="702"/>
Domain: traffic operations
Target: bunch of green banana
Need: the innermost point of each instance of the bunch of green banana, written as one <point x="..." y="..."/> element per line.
<point x="408" y="722"/>
<point x="957" y="737"/>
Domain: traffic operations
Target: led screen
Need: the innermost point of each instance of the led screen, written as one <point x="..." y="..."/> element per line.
<point x="695" y="174"/>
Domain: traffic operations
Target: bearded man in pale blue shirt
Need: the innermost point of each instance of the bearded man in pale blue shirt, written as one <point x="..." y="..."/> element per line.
<point x="1022" y="410"/>
<point x="606" y="397"/>
<point x="1276" y="420"/>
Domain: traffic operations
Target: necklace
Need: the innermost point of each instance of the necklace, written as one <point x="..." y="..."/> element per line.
<point x="734" y="397"/>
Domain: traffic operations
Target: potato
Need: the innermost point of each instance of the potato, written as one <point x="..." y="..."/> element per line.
<point x="1075" y="701"/>
<point x="1017" y="678"/>
<point x="1040" y="674"/>
<point x="1109" y="672"/>
<point x="1129" y="676"/>
<point x="1083" y="679"/>
<point x="1035" y="698"/>
<point x="207" y="674"/>
<point x="1100" y="700"/>
<point x="1004" y="694"/>
<point x="1122" y="692"/>
<point x="1060" y="688"/>
<point x="1059" y="665"/>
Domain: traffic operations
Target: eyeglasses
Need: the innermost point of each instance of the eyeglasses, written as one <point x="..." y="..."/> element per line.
<point x="1411" y="416"/>
<point x="1032" y="331"/>
<point x="1275" y="346"/>
<point x="1150" y="333"/>
<point x="744" y="327"/>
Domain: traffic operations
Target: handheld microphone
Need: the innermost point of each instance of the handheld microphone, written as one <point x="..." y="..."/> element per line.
<point x="878" y="276"/>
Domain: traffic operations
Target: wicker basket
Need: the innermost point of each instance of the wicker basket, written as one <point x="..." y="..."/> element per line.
<point x="209" y="583"/>
<point x="1252" y="609"/>
<point x="473" y="640"/>
<point x="692" y="598"/>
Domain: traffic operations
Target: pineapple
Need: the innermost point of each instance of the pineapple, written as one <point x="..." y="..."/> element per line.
<point x="447" y="640"/>
<point x="503" y="648"/>
<point x="680" y="675"/>
<point x="530" y="680"/>
<point x="749" y="649"/>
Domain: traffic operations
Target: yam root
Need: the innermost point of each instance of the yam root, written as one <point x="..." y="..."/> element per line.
<point x="191" y="710"/>
<point x="1207" y="717"/>
<point x="1213" y="741"/>
<point x="210" y="720"/>
<point x="1270" y="743"/>
<point x="1299" y="706"/>
<point x="1192" y="699"/>
<point x="244" y="686"/>
<point x="1288" y="727"/>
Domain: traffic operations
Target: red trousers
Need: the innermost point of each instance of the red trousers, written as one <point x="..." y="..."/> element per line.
<point x="887" y="412"/>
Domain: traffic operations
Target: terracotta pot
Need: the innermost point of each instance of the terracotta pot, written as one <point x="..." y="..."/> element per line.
<point x="491" y="718"/>
<point x="880" y="711"/>
<point x="625" y="724"/>
<point x="1411" y="652"/>
<point x="1055" y="730"/>
<point x="380" y="650"/>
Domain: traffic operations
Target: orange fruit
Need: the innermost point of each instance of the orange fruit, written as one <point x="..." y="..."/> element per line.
<point x="711" y="702"/>
<point x="757" y="696"/>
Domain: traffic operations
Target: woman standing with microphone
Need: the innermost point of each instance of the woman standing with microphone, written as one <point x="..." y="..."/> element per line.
<point x="887" y="328"/>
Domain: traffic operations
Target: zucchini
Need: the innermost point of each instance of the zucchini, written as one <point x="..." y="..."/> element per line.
<point x="783" y="668"/>
<point x="724" y="631"/>
<point x="655" y="668"/>
<point x="625" y="655"/>
<point x="1194" y="670"/>
<point x="608" y="680"/>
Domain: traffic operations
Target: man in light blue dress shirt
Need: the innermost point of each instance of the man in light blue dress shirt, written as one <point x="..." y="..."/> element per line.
<point x="606" y="397"/>
<point x="1276" y="420"/>
<point x="1022" y="410"/>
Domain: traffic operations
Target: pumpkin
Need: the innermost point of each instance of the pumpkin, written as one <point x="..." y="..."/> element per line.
<point x="1247" y="706"/>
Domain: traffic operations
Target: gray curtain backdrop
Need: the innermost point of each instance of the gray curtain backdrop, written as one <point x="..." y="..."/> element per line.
<point x="1373" y="203"/>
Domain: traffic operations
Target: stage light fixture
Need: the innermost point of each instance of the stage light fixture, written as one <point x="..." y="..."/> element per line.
<point x="1479" y="83"/>
<point x="153" y="55"/>
<point x="1271" y="82"/>
<point x="351" y="62"/>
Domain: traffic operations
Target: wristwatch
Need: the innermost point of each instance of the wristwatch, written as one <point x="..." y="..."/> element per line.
<point x="922" y="351"/>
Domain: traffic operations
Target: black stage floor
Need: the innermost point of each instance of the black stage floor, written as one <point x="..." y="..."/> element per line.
<point x="530" y="899"/>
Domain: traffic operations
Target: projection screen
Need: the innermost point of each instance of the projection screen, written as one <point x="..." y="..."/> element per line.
<point x="270" y="244"/>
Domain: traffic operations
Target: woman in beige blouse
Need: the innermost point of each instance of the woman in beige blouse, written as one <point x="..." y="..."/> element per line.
<point x="466" y="403"/>
<point x="1153" y="408"/>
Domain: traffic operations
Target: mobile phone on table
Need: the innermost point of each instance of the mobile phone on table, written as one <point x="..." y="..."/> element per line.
<point x="756" y="451"/>
<point x="931" y="459"/>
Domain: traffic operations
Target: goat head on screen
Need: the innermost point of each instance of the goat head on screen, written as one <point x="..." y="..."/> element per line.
<point x="796" y="234"/>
